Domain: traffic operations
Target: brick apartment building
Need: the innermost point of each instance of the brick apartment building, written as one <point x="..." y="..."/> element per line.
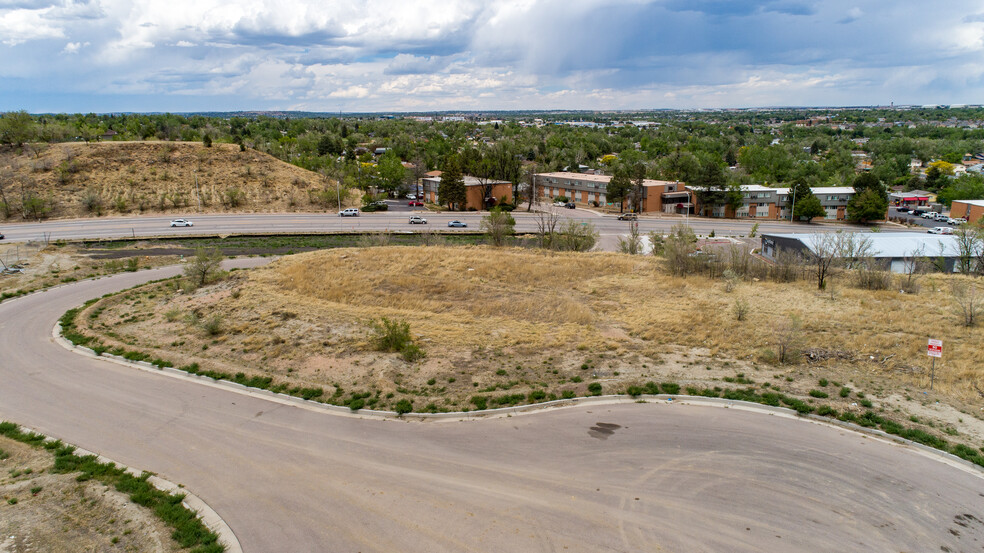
<point x="657" y="195"/>
<point x="473" y="192"/>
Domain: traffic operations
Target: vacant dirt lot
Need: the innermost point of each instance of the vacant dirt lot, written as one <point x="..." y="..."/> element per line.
<point x="37" y="267"/>
<point x="514" y="326"/>
<point x="114" y="178"/>
<point x="53" y="513"/>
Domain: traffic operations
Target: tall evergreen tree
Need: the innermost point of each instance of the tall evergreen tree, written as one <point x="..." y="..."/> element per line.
<point x="451" y="190"/>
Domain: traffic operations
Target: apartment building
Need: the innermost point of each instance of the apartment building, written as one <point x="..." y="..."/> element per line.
<point x="474" y="192"/>
<point x="833" y="199"/>
<point x="763" y="202"/>
<point x="657" y="195"/>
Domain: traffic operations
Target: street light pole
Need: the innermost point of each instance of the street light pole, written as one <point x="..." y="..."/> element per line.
<point x="793" y="207"/>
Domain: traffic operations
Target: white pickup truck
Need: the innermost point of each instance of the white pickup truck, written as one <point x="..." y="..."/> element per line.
<point x="417" y="220"/>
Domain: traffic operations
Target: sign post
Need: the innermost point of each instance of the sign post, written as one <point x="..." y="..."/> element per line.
<point x="934" y="350"/>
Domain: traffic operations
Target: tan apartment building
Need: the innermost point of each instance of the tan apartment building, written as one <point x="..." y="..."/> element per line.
<point x="972" y="210"/>
<point x="657" y="195"/>
<point x="474" y="192"/>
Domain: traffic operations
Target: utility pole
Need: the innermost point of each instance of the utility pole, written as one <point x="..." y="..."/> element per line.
<point x="793" y="207"/>
<point x="197" y="193"/>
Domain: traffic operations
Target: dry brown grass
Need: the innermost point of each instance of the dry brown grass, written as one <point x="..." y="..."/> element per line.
<point x="153" y="177"/>
<point x="521" y="320"/>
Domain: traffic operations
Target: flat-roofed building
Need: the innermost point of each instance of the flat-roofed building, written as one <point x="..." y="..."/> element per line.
<point x="474" y="191"/>
<point x="972" y="210"/>
<point x="657" y="195"/>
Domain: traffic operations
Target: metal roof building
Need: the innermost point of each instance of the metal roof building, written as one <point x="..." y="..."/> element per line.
<point x="891" y="247"/>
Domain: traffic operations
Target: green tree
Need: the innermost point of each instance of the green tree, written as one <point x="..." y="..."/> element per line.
<point x="618" y="188"/>
<point x="498" y="225"/>
<point x="451" y="190"/>
<point x="204" y="266"/>
<point x="207" y="140"/>
<point x="966" y="187"/>
<point x="870" y="201"/>
<point x="868" y="206"/>
<point x="392" y="173"/>
<point x="17" y="127"/>
<point x="808" y="208"/>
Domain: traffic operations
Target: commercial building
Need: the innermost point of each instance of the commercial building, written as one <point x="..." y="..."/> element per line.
<point x="475" y="198"/>
<point x="657" y="195"/>
<point x="972" y="210"/>
<point x="895" y="250"/>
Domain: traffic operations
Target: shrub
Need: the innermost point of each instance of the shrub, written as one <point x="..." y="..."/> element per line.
<point x="844" y="391"/>
<point x="634" y="391"/>
<point x="403" y="407"/>
<point x="391" y="335"/>
<point x="480" y="402"/>
<point x="213" y="326"/>
<point x="594" y="388"/>
<point x="537" y="395"/>
<point x="670" y="388"/>
<point x="818" y="394"/>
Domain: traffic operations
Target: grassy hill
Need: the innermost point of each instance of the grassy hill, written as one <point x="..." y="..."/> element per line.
<point x="119" y="178"/>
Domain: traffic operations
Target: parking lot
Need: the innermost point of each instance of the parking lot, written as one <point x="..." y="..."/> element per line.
<point x="915" y="219"/>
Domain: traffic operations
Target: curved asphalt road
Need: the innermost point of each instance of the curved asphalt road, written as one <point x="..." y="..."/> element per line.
<point x="668" y="478"/>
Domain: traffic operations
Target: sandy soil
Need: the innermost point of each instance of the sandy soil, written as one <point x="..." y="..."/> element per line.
<point x="52" y="513"/>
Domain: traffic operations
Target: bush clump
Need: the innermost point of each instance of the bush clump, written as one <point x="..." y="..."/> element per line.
<point x="394" y="336"/>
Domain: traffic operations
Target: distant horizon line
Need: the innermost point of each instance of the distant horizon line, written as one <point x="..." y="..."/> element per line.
<point x="472" y="112"/>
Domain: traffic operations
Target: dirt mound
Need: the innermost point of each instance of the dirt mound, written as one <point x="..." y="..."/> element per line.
<point x="118" y="178"/>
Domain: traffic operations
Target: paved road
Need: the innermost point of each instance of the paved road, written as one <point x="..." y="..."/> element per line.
<point x="625" y="477"/>
<point x="259" y="223"/>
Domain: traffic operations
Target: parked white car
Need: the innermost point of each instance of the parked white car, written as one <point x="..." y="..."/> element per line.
<point x="929" y="215"/>
<point x="411" y="196"/>
<point x="182" y="223"/>
<point x="958" y="221"/>
<point x="941" y="217"/>
<point x="349" y="212"/>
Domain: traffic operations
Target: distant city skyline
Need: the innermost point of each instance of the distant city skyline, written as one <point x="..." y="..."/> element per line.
<point x="469" y="55"/>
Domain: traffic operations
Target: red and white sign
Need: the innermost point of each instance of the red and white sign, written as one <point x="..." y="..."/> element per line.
<point x="935" y="348"/>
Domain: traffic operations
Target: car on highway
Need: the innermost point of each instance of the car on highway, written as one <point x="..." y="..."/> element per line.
<point x="1" y="236"/>
<point x="628" y="217"/>
<point x="417" y="220"/>
<point x="349" y="212"/>
<point x="415" y="203"/>
<point x="182" y="223"/>
<point x="940" y="230"/>
<point x="457" y="224"/>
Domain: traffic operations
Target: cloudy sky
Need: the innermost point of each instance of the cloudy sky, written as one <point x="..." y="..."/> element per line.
<point x="415" y="55"/>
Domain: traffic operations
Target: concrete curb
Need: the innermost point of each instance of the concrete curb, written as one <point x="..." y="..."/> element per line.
<point x="461" y="416"/>
<point x="208" y="516"/>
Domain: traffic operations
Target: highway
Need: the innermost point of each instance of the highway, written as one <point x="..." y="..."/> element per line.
<point x="592" y="478"/>
<point x="262" y="223"/>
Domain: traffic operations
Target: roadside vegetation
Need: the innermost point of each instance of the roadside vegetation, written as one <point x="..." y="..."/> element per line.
<point x="55" y="500"/>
